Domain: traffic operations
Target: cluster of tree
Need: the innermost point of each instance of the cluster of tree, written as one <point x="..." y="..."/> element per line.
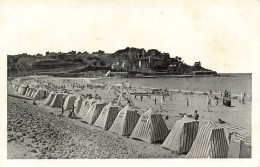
<point x="24" y="64"/>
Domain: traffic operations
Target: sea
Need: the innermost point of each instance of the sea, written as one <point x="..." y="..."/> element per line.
<point x="232" y="82"/>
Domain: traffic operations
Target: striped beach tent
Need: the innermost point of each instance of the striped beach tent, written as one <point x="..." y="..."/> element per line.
<point x="182" y="135"/>
<point x="27" y="91"/>
<point x="210" y="142"/>
<point x="33" y="93"/>
<point x="94" y="112"/>
<point x="69" y="101"/>
<point x="125" y="121"/>
<point x="85" y="106"/>
<point x="107" y="116"/>
<point x="30" y="92"/>
<point x="24" y="89"/>
<point x="77" y="104"/>
<point x="240" y="145"/>
<point x="39" y="94"/>
<point x="16" y="87"/>
<point x="57" y="100"/>
<point x="150" y="127"/>
<point x="49" y="98"/>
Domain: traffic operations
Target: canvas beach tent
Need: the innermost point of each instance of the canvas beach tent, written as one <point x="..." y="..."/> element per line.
<point x="77" y="104"/>
<point x="50" y="98"/>
<point x="27" y="91"/>
<point x="19" y="89"/>
<point x="125" y="121"/>
<point x="30" y="92"/>
<point x="33" y="93"/>
<point x="69" y="101"/>
<point x="210" y="142"/>
<point x="24" y="88"/>
<point x="39" y="94"/>
<point x="94" y="112"/>
<point x="85" y="106"/>
<point x="57" y="100"/>
<point x="240" y="145"/>
<point x="107" y="116"/>
<point x="13" y="85"/>
<point x="182" y="135"/>
<point x="16" y="87"/>
<point x="150" y="127"/>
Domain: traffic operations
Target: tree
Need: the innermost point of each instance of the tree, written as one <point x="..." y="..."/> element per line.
<point x="102" y="63"/>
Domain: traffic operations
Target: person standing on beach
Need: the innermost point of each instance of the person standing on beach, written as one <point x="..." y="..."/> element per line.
<point x="187" y="102"/>
<point x="155" y="101"/>
<point x="62" y="110"/>
<point x="141" y="98"/>
<point x="209" y="103"/>
<point x="72" y="112"/>
<point x="196" y="115"/>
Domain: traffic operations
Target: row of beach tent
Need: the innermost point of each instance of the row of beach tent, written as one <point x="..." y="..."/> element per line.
<point x="208" y="141"/>
<point x="35" y="93"/>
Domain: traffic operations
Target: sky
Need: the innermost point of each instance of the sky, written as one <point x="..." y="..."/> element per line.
<point x="222" y="34"/>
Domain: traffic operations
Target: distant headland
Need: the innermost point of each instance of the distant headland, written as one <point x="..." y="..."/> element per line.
<point x="128" y="62"/>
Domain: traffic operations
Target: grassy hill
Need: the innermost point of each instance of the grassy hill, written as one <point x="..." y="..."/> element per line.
<point x="85" y="64"/>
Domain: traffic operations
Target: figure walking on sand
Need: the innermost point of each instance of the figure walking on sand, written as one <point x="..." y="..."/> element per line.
<point x="141" y="98"/>
<point x="187" y="102"/>
<point x="62" y="110"/>
<point x="196" y="115"/>
<point x="209" y="103"/>
<point x="72" y="114"/>
<point x="155" y="101"/>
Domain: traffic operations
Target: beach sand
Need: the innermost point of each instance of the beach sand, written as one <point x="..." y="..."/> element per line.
<point x="238" y="115"/>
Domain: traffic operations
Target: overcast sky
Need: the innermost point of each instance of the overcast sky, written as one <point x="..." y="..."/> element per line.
<point x="219" y="33"/>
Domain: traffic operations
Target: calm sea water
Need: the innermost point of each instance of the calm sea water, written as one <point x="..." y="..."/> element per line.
<point x="235" y="83"/>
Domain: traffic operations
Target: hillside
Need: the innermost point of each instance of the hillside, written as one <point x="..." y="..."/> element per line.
<point x="131" y="60"/>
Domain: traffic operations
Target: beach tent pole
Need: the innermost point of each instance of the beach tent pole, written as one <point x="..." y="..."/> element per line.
<point x="108" y="92"/>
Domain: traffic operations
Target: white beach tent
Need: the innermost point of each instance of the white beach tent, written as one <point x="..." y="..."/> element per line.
<point x="150" y="127"/>
<point x="210" y="142"/>
<point x="69" y="101"/>
<point x="57" y="100"/>
<point x="77" y="104"/>
<point x="107" y="116"/>
<point x="182" y="135"/>
<point x="19" y="89"/>
<point x="85" y="106"/>
<point x="23" y="90"/>
<point x="49" y="98"/>
<point x="125" y="121"/>
<point x="240" y="145"/>
<point x="94" y="112"/>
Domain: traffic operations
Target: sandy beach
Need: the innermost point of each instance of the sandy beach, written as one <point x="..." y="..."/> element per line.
<point x="90" y="142"/>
